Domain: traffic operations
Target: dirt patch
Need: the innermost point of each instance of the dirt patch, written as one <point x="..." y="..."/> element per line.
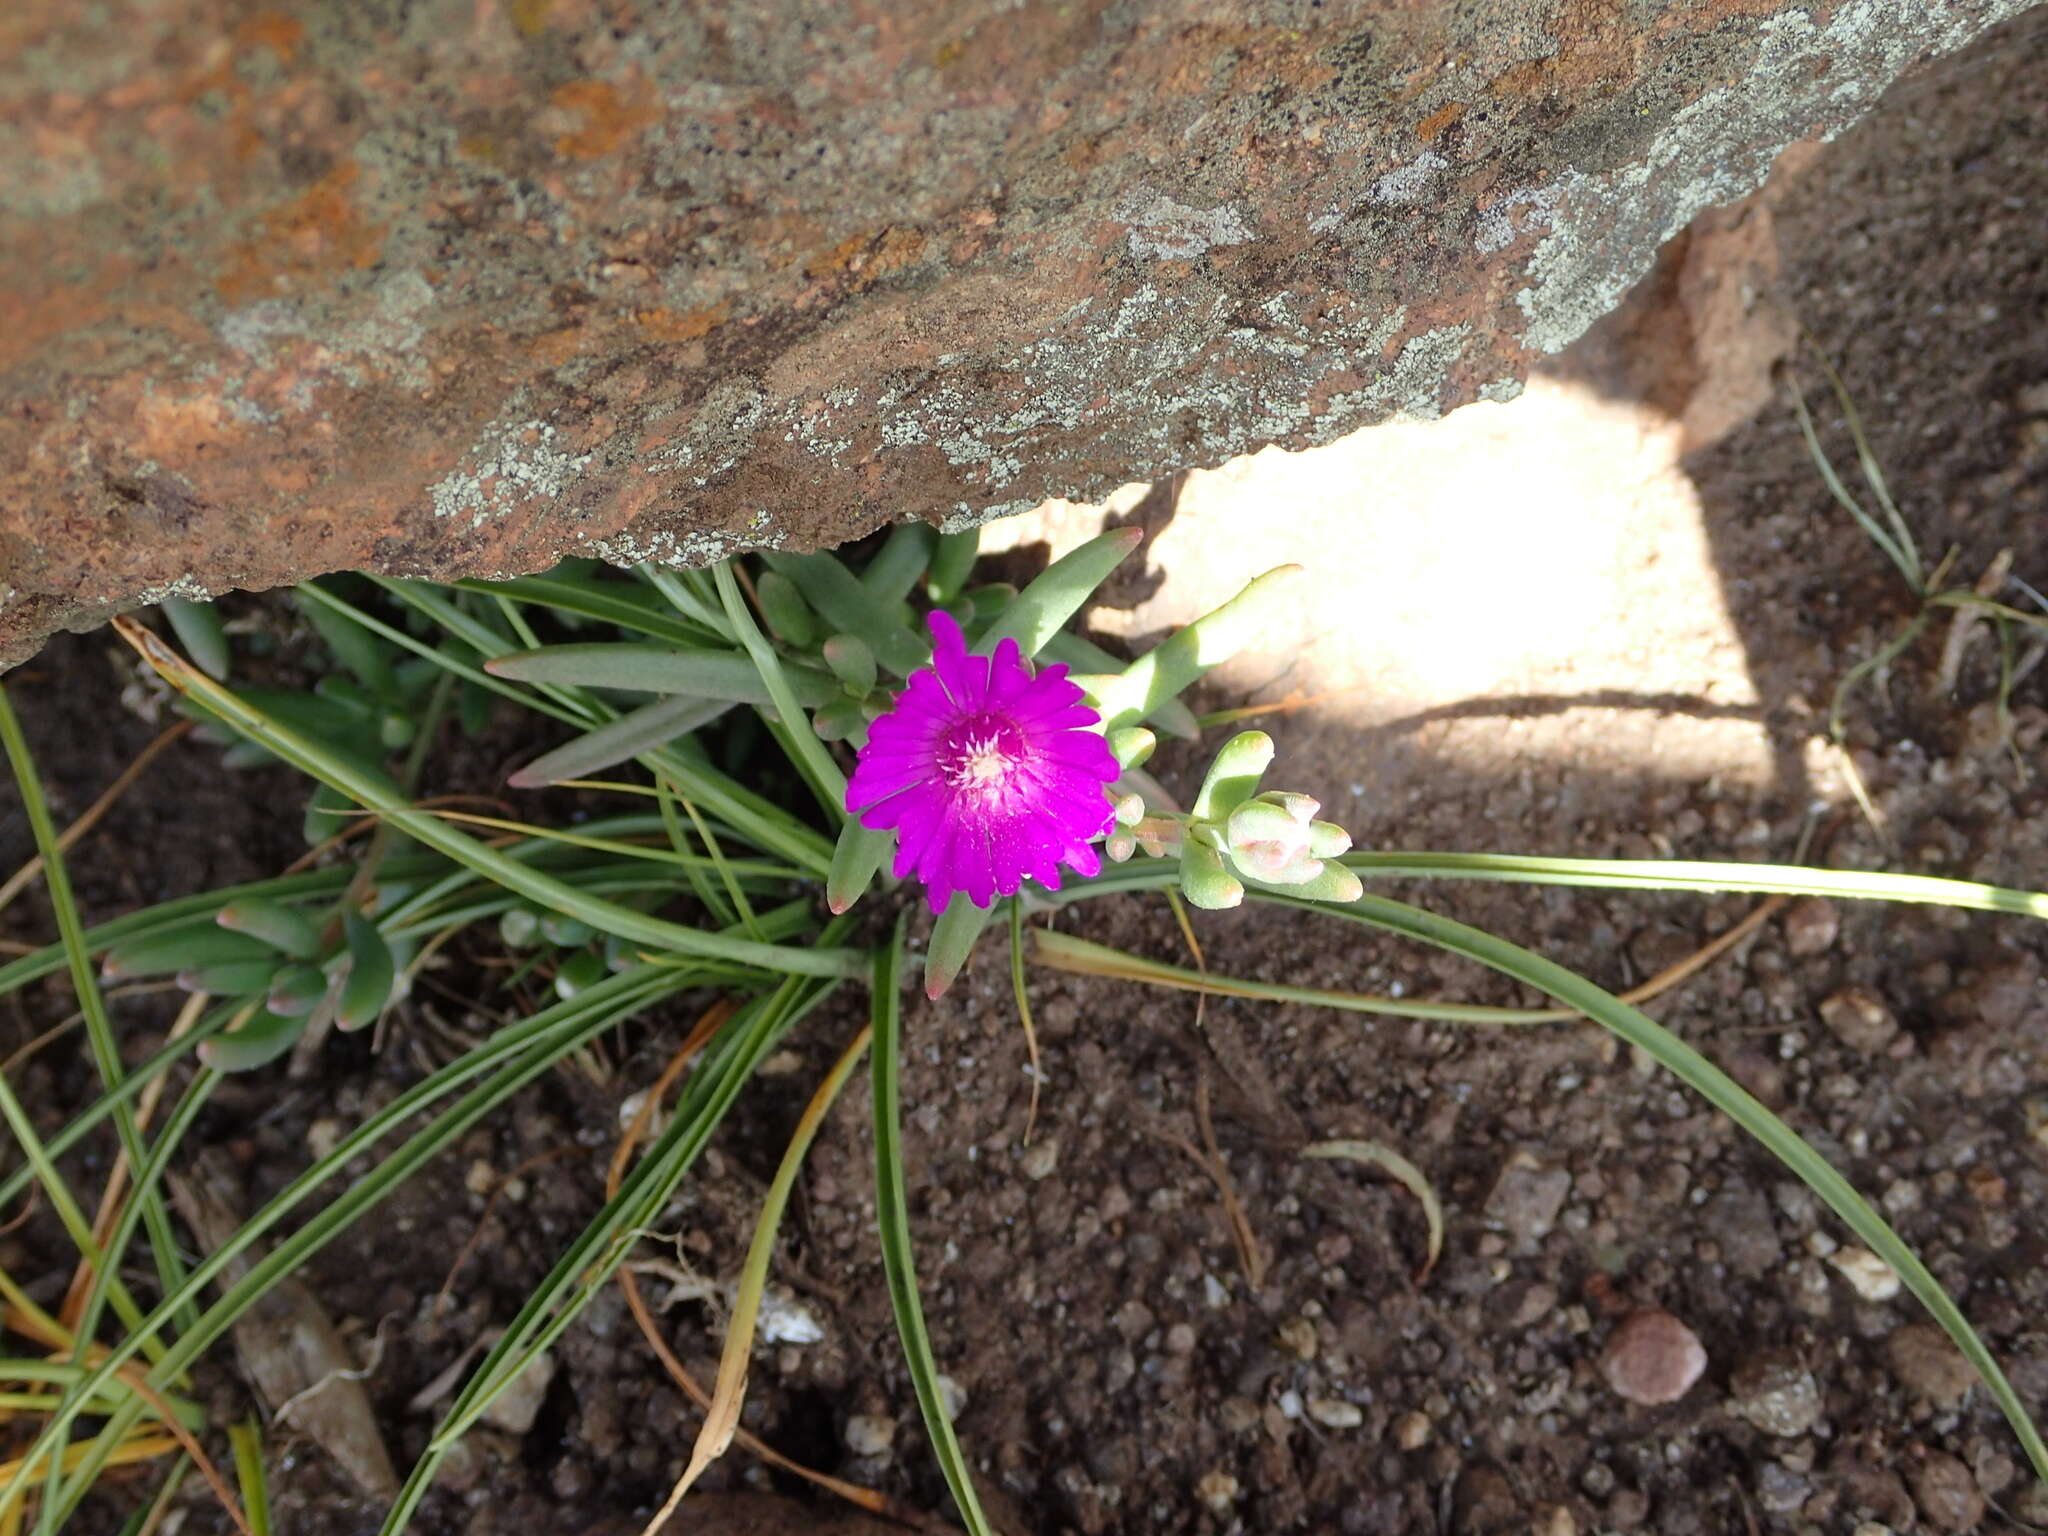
<point x="1119" y="1372"/>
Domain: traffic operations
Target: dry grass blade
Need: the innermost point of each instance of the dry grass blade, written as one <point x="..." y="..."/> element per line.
<point x="1082" y="957"/>
<point x="636" y="1300"/>
<point x="722" y="1418"/>
<point x="1249" y="1254"/>
<point x="21" y="878"/>
<point x="1405" y="1173"/>
<point x="22" y="1315"/>
<point x="1023" y="992"/>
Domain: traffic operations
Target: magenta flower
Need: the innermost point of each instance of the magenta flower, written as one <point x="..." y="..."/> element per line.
<point x="987" y="771"/>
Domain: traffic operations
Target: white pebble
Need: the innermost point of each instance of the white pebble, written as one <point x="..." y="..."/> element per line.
<point x="1335" y="1412"/>
<point x="870" y="1434"/>
<point x="1870" y="1276"/>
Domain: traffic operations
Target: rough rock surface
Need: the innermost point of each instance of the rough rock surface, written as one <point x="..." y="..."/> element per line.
<point x="462" y="286"/>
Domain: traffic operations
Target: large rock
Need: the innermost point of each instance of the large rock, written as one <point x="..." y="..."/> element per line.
<point x="443" y="286"/>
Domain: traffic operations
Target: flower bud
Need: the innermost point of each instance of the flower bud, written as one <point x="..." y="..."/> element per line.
<point x="1270" y="838"/>
<point x="1120" y="845"/>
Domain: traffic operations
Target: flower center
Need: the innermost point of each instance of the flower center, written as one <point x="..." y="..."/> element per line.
<point x="978" y="754"/>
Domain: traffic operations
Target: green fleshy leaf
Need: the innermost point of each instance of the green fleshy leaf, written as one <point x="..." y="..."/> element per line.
<point x="786" y="611"/>
<point x="1084" y="656"/>
<point x="297" y="989"/>
<point x="852" y="663"/>
<point x="565" y="932"/>
<point x="848" y="607"/>
<point x="579" y="973"/>
<point x="353" y="646"/>
<point x="1131" y="746"/>
<point x="281" y="927"/>
<point x="643" y="730"/>
<point x="328" y="814"/>
<point x="1163" y="672"/>
<point x="1233" y="777"/>
<point x="856" y="857"/>
<point x="1044" y="607"/>
<point x="195" y="947"/>
<point x="371" y="971"/>
<point x="951" y="564"/>
<point x="952" y="942"/>
<point x="1335" y="884"/>
<point x="841" y="721"/>
<point x="199" y="629"/>
<point x="237" y="978"/>
<point x="1204" y="880"/>
<point x="892" y="574"/>
<point x="265" y="1037"/>
<point x="700" y="674"/>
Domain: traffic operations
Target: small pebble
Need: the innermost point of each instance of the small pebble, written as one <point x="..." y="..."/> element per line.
<point x="1554" y="1520"/>
<point x="1652" y="1358"/>
<point x="1335" y="1413"/>
<point x="1412" y="1431"/>
<point x="1040" y="1158"/>
<point x="1298" y="1337"/>
<point x="1859" y="1019"/>
<point x="1929" y="1365"/>
<point x="1868" y="1275"/>
<point x="1811" y="926"/>
<point x="1948" y="1496"/>
<point x="1218" y="1490"/>
<point x="515" y="1408"/>
<point x="1779" y="1489"/>
<point x="1776" y="1394"/>
<point x="870" y="1434"/>
<point x="952" y="1397"/>
<point x="323" y="1135"/>
<point x="1527" y="1198"/>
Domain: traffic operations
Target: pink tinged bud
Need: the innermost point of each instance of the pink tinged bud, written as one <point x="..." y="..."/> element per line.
<point x="1270" y="839"/>
<point x="1120" y="845"/>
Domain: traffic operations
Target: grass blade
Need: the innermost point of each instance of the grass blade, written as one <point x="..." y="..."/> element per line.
<point x="826" y="780"/>
<point x="892" y="1219"/>
<point x="723" y="1417"/>
<point x="1617" y="874"/>
<point x="376" y="794"/>
<point x="700" y="674"/>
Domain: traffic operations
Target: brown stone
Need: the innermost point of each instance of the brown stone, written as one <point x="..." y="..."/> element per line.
<point x="298" y="287"/>
<point x="1652" y="1358"/>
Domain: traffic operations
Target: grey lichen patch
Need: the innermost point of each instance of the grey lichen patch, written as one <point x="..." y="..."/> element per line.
<point x="188" y="586"/>
<point x="720" y="434"/>
<point x="1161" y="227"/>
<point x="511" y="466"/>
<point x="1604" y="229"/>
<point x="701" y="547"/>
<point x="1413" y="387"/>
<point x="384" y="338"/>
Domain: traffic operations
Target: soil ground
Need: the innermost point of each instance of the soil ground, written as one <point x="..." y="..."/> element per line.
<point x="1597" y="621"/>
